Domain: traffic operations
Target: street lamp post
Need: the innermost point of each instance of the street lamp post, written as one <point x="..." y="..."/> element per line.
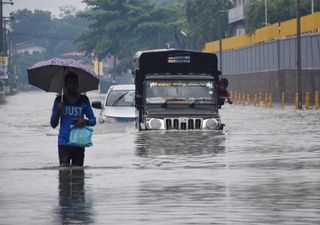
<point x="1" y="26"/>
<point x="1" y="29"/>
<point x="220" y="40"/>
<point x="266" y="12"/>
<point x="6" y="38"/>
<point x="220" y="48"/>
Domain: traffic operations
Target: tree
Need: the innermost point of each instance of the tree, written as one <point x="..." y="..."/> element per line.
<point x="39" y="27"/>
<point x="203" y="21"/>
<point x="122" y="27"/>
<point x="23" y="62"/>
<point x="29" y="26"/>
<point x="57" y="35"/>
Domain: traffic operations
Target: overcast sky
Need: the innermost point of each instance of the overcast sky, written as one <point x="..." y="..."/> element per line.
<point x="49" y="5"/>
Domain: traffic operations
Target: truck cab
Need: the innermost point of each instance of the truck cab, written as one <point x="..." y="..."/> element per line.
<point x="177" y="90"/>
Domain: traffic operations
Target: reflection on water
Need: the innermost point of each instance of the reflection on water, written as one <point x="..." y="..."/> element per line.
<point x="264" y="169"/>
<point x="74" y="207"/>
<point x="149" y="143"/>
<point x="180" y="149"/>
<point x="169" y="202"/>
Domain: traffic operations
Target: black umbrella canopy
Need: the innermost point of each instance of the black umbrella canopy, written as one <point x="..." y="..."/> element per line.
<point x="49" y="75"/>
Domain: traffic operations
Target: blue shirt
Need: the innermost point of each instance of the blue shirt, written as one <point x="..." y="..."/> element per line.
<point x="71" y="111"/>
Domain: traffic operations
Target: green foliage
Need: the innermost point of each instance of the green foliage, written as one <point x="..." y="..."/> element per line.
<point x="28" y="26"/>
<point x="40" y="28"/>
<point x="23" y="62"/>
<point x="168" y="2"/>
<point x="57" y="35"/>
<point x="123" y="27"/>
<point x="203" y="20"/>
<point x="278" y="11"/>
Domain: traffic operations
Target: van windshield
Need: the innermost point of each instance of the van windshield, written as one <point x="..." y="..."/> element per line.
<point x="184" y="92"/>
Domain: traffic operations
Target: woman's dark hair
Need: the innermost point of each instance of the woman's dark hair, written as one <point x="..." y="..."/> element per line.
<point x="71" y="75"/>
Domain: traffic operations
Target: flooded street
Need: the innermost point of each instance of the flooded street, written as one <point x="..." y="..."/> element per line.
<point x="264" y="169"/>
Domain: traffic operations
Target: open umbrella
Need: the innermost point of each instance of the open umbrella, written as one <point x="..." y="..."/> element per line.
<point x="49" y="75"/>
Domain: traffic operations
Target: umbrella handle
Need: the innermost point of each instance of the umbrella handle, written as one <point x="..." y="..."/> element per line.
<point x="62" y="95"/>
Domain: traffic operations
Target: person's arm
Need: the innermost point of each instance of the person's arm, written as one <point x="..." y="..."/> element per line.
<point x="228" y="97"/>
<point x="91" y="119"/>
<point x="56" y="113"/>
<point x="89" y="114"/>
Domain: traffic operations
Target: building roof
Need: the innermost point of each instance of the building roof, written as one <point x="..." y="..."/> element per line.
<point x="23" y="45"/>
<point x="74" y="53"/>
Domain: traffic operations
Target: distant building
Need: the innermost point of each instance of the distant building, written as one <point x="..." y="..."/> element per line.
<point x="31" y="48"/>
<point x="236" y="16"/>
<point x="74" y="54"/>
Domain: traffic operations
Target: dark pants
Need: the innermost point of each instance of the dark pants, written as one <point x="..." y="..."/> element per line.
<point x="69" y="155"/>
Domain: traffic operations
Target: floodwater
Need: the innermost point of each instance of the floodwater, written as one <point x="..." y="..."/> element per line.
<point x="264" y="169"/>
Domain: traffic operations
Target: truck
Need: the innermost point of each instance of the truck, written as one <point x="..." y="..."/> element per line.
<point x="177" y="90"/>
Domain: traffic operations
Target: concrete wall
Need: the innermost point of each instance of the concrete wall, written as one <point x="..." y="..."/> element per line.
<point x="270" y="67"/>
<point x="276" y="82"/>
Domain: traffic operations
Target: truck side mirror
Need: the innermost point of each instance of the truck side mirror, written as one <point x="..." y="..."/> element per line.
<point x="96" y="105"/>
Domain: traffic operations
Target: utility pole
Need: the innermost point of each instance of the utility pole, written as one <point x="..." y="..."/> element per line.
<point x="298" y="6"/>
<point x="1" y="30"/>
<point x="2" y="52"/>
<point x="220" y="38"/>
<point x="312" y="6"/>
<point x="220" y="47"/>
<point x="6" y="40"/>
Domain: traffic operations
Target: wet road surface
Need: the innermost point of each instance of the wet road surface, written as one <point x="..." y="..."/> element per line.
<point x="264" y="169"/>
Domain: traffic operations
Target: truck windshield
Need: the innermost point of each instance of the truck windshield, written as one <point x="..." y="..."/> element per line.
<point x="181" y="92"/>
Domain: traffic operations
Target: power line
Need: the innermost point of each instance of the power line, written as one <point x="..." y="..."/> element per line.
<point x="42" y="36"/>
